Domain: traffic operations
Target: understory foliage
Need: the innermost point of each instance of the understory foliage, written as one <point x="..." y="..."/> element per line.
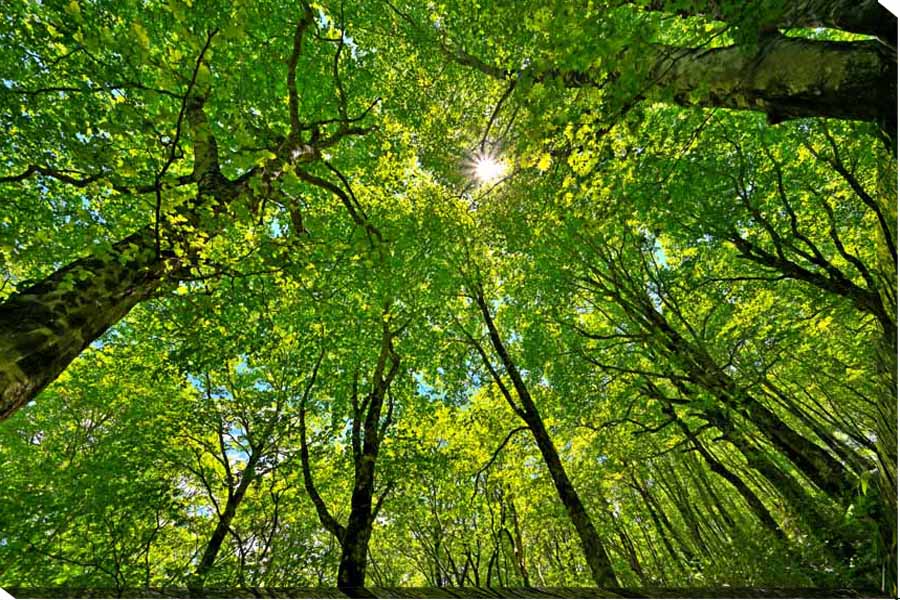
<point x="447" y="294"/>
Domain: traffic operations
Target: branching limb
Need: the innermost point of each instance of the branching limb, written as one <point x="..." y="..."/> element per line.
<point x="306" y="19"/>
<point x="496" y="455"/>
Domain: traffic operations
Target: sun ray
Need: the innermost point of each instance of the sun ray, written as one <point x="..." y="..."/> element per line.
<point x="486" y="167"/>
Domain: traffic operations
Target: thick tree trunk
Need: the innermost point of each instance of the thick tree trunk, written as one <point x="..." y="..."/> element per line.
<point x="865" y="17"/>
<point x="786" y="78"/>
<point x="44" y="327"/>
<point x="355" y="543"/>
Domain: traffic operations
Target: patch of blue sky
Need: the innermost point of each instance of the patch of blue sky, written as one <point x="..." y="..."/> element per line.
<point x="426" y="390"/>
<point x="276" y="229"/>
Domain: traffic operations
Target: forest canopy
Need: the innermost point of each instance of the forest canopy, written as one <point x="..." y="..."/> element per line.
<point x="470" y="293"/>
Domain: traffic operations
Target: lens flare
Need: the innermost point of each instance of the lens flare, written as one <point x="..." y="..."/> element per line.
<point x="487" y="168"/>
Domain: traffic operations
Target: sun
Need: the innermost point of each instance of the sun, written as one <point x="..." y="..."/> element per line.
<point x="487" y="168"/>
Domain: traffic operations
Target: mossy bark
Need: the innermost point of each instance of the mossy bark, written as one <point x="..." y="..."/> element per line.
<point x="44" y="327"/>
<point x="864" y="17"/>
<point x="785" y="78"/>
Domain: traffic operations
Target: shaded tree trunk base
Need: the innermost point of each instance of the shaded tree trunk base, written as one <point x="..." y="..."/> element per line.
<point x="464" y="592"/>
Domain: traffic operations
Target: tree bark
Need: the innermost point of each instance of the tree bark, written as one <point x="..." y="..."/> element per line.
<point x="864" y="17"/>
<point x="44" y="327"/>
<point x="786" y="78"/>
<point x="355" y="543"/>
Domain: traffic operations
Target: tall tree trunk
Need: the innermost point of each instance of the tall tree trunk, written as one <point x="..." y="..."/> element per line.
<point x="355" y="543"/>
<point x="820" y="467"/>
<point x="812" y="460"/>
<point x="367" y="432"/>
<point x="44" y="327"/>
<point x="594" y="551"/>
<point x="658" y="514"/>
<point x="518" y="545"/>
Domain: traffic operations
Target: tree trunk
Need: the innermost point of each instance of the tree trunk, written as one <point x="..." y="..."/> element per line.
<point x="865" y="17"/>
<point x="44" y="327"/>
<point x="756" y="505"/>
<point x="355" y="543"/>
<point x="812" y="460"/>
<point x="224" y="524"/>
<point x="594" y="550"/>
<point x="637" y="486"/>
<point x="786" y="78"/>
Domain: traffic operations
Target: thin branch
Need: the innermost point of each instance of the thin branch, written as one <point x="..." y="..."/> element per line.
<point x="496" y="454"/>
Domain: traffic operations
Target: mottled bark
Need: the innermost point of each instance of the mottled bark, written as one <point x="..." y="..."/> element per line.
<point x="786" y="78"/>
<point x="45" y="326"/>
<point x="864" y="17"/>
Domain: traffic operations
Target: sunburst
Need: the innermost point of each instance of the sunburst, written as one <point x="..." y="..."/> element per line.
<point x="486" y="167"/>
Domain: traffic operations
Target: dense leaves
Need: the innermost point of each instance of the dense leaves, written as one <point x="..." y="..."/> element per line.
<point x="447" y="294"/>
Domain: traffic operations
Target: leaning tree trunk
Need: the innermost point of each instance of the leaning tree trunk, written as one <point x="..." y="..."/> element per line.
<point x="44" y="327"/>
<point x="886" y="409"/>
<point x="224" y="524"/>
<point x="594" y="550"/>
<point x="865" y="17"/>
<point x="591" y="544"/>
<point x="786" y="78"/>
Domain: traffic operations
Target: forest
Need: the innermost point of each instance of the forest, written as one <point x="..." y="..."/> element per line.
<point x="485" y="295"/>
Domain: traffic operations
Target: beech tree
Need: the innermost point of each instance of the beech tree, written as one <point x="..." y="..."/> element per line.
<point x="457" y="295"/>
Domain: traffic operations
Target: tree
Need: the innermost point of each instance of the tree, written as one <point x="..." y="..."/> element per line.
<point x="46" y="325"/>
<point x="398" y="294"/>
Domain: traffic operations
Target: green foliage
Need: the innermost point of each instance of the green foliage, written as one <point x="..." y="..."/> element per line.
<point x="660" y="276"/>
